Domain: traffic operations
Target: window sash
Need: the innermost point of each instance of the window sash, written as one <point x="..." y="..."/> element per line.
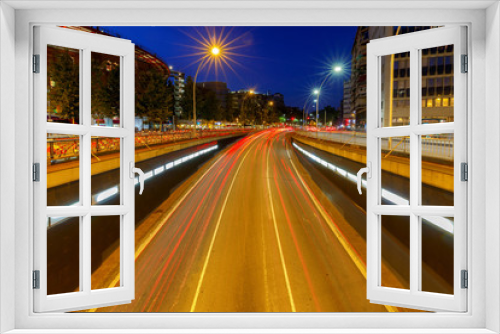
<point x="23" y="107"/>
<point x="86" y="297"/>
<point x="413" y="298"/>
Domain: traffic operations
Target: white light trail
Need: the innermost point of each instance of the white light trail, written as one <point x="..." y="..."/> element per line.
<point x="106" y="194"/>
<point x="441" y="222"/>
<point x="152" y="173"/>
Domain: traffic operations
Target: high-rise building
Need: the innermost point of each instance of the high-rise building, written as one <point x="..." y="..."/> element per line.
<point x="437" y="80"/>
<point x="179" y="89"/>
<point x="347" y="116"/>
<point x="358" y="78"/>
<point x="220" y="89"/>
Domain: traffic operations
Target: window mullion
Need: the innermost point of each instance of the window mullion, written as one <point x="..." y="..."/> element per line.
<point x="86" y="157"/>
<point x="415" y="237"/>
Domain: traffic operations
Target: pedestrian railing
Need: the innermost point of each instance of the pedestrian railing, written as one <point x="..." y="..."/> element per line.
<point x="438" y="148"/>
<point x="66" y="148"/>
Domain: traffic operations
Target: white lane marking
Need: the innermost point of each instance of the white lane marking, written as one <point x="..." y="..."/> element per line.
<point x="282" y="257"/>
<point x="207" y="258"/>
<point x="150" y="237"/>
<point x="340" y="237"/>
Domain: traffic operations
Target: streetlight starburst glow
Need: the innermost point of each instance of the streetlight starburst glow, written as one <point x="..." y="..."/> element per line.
<point x="215" y="51"/>
<point x="216" y="48"/>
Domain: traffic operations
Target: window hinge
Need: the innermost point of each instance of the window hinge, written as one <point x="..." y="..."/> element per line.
<point x="465" y="279"/>
<point x="36" y="172"/>
<point x="36" y="279"/>
<point x="36" y="63"/>
<point x="464" y="172"/>
<point x="465" y="64"/>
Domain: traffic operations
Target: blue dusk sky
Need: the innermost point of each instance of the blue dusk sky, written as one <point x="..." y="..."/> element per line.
<point x="287" y="60"/>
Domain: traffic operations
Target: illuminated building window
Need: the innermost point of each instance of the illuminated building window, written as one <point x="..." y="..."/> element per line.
<point x="423" y="103"/>
<point x="446" y="102"/>
<point x="452" y="102"/>
<point x="429" y="103"/>
<point x="438" y="102"/>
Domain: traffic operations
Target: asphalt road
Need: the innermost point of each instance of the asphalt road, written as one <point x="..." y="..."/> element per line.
<point x="250" y="234"/>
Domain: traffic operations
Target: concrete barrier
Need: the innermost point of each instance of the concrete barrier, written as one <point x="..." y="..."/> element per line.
<point x="433" y="174"/>
<point x="64" y="173"/>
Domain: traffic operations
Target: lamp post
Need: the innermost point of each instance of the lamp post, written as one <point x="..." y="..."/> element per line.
<point x="249" y="93"/>
<point x="270" y="109"/>
<point x="304" y="111"/>
<point x="214" y="51"/>
<point x="335" y="69"/>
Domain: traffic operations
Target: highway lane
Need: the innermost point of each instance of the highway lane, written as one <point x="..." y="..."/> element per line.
<point x="250" y="236"/>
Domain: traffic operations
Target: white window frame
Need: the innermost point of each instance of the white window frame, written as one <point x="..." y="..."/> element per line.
<point x="86" y="44"/>
<point x="414" y="43"/>
<point x="483" y="313"/>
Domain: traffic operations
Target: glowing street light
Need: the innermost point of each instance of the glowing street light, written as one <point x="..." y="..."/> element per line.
<point x="212" y="53"/>
<point x="335" y="69"/>
<point x="215" y="51"/>
<point x="214" y="48"/>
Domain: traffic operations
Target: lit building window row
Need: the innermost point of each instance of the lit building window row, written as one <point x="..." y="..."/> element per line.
<point x="438" y="102"/>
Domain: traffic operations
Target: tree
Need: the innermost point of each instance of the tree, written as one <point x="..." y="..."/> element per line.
<point x="209" y="108"/>
<point x="152" y="97"/>
<point x="64" y="85"/>
<point x="105" y="95"/>
<point x="229" y="114"/>
<point x="171" y="93"/>
<point x="187" y="99"/>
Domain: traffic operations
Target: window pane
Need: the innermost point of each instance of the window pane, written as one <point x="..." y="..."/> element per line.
<point x="437" y="254"/>
<point x="105" y="254"/>
<point x="395" y="252"/>
<point x="105" y="170"/>
<point x="437" y="169"/>
<point x="395" y="173"/>
<point x="105" y="93"/>
<point x="63" y="255"/>
<point x="395" y="83"/>
<point x="439" y="83"/>
<point x="63" y="85"/>
<point x="63" y="169"/>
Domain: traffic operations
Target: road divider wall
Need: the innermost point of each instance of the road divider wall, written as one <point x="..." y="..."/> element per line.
<point x="433" y="174"/>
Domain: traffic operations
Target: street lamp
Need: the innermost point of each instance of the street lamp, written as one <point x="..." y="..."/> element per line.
<point x="248" y="94"/>
<point x="335" y="69"/>
<point x="213" y="52"/>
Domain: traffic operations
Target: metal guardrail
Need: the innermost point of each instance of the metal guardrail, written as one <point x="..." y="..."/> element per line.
<point x="438" y="148"/>
<point x="63" y="147"/>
